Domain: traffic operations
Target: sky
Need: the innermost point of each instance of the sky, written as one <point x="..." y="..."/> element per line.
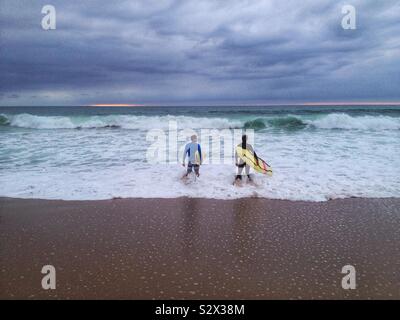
<point x="203" y="52"/>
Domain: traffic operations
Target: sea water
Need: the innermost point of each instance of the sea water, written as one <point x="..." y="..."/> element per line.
<point x="317" y="152"/>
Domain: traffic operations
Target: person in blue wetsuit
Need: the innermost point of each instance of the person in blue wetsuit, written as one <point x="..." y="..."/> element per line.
<point x="190" y="151"/>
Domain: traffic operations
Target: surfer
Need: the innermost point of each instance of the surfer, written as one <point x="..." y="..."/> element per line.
<point x="193" y="152"/>
<point x="240" y="164"/>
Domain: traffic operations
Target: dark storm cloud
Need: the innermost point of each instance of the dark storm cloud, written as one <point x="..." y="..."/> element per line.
<point x="195" y="51"/>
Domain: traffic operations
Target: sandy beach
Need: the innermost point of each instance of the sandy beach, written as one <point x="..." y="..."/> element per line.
<point x="188" y="248"/>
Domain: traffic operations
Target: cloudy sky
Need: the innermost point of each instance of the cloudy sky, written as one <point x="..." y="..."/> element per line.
<point x="198" y="52"/>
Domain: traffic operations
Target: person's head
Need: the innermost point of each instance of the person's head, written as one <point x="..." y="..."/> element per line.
<point x="244" y="141"/>
<point x="193" y="138"/>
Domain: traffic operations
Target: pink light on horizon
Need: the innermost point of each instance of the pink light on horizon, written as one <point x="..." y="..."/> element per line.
<point x="116" y="105"/>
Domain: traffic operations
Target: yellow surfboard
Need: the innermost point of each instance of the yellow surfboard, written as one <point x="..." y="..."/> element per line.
<point x="197" y="158"/>
<point x="248" y="157"/>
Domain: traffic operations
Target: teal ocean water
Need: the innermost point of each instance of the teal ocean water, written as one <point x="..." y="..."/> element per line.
<point x="317" y="152"/>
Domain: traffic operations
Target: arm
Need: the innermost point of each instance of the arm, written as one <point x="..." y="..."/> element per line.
<point x="201" y="155"/>
<point x="186" y="151"/>
<point x="255" y="155"/>
<point x="236" y="158"/>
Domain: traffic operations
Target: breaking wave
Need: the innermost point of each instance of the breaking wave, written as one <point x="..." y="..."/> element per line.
<point x="114" y="121"/>
<point x="344" y="121"/>
<point x="3" y="120"/>
<point x="331" y="121"/>
<point x="255" y="124"/>
<point x="290" y="122"/>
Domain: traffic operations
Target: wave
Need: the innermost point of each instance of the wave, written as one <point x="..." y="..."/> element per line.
<point x="256" y="124"/>
<point x="346" y="122"/>
<point x="331" y="121"/>
<point x="140" y="122"/>
<point x="3" y="120"/>
<point x="114" y="121"/>
<point x="288" y="122"/>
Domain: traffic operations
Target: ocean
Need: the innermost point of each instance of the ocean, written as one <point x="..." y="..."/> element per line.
<point x="317" y="152"/>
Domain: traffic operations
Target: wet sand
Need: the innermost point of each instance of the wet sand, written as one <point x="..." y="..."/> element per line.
<point x="200" y="248"/>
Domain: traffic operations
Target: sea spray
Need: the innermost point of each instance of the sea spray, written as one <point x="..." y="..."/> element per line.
<point x="346" y="122"/>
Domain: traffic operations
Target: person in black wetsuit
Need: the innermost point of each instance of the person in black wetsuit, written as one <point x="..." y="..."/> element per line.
<point x="240" y="164"/>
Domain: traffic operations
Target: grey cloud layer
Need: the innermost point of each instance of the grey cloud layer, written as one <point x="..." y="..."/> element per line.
<point x="198" y="51"/>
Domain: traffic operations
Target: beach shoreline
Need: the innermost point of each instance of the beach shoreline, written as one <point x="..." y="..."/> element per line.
<point x="197" y="248"/>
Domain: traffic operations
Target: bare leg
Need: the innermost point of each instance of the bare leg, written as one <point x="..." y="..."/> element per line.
<point x="238" y="176"/>
<point x="248" y="173"/>
<point x="239" y="173"/>
<point x="188" y="170"/>
<point x="197" y="170"/>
